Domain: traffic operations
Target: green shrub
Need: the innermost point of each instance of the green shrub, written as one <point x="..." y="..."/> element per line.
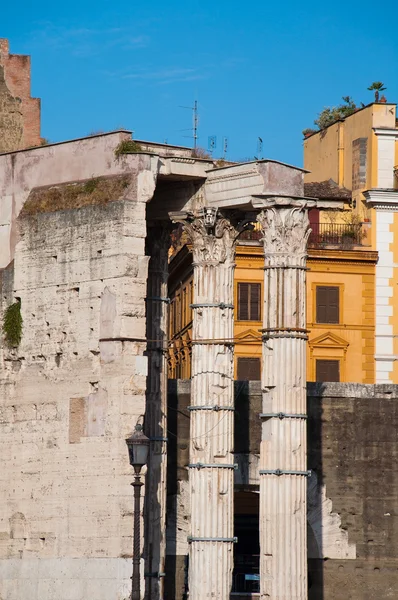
<point x="127" y="147"/>
<point x="12" y="325"/>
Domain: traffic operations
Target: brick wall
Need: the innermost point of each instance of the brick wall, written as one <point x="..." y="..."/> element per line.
<point x="19" y="113"/>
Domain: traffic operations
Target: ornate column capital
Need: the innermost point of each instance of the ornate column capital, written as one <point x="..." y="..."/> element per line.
<point x="212" y="233"/>
<point x="285" y="226"/>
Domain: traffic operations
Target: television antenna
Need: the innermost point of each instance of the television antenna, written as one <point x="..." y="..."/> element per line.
<point x="224" y="147"/>
<point x="212" y="143"/>
<point x="259" y="149"/>
<point x="195" y="122"/>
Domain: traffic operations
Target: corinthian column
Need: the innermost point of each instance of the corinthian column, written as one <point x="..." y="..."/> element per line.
<point x="158" y="243"/>
<point x="283" y="454"/>
<point x="211" y="468"/>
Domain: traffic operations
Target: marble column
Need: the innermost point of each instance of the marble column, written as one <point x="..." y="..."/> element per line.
<point x="211" y="468"/>
<point x="158" y="243"/>
<point x="283" y="455"/>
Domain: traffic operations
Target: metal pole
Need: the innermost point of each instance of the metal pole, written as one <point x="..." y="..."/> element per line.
<point x="136" y="581"/>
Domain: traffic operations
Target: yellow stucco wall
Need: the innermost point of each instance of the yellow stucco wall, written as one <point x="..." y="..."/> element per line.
<point x="393" y="284"/>
<point x="352" y="340"/>
<point x="320" y="155"/>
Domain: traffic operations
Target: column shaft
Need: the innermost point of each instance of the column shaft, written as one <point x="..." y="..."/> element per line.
<point x="212" y="424"/>
<point x="158" y="243"/>
<point x="283" y="511"/>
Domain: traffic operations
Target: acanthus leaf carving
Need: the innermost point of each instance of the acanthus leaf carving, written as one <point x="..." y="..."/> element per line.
<point x="285" y="230"/>
<point x="210" y="244"/>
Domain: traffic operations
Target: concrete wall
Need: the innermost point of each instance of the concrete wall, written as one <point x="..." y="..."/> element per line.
<point x="352" y="493"/>
<point x="72" y="391"/>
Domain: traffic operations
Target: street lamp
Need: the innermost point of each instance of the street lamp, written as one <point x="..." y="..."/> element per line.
<point x="138" y="447"/>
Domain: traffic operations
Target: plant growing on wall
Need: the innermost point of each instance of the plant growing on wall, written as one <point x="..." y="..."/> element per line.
<point x="377" y="87"/>
<point x="127" y="147"/>
<point x="12" y="325"/>
<point x="331" y="114"/>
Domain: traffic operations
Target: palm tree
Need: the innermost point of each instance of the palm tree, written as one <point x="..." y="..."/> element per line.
<point x="377" y="86"/>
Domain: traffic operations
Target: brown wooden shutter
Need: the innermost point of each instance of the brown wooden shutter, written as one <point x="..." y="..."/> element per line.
<point x="249" y="296"/>
<point x="327" y="370"/>
<point x="243" y="301"/>
<point x="327" y="304"/>
<point x="249" y="369"/>
<point x="254" y="301"/>
<point x="333" y="306"/>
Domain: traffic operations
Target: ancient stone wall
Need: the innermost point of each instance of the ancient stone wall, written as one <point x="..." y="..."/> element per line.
<point x="19" y="113"/>
<point x="69" y="395"/>
<point x="353" y="448"/>
<point x="352" y="493"/>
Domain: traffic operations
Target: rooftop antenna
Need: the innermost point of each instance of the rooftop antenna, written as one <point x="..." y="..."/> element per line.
<point x="212" y="144"/>
<point x="259" y="148"/>
<point x="195" y="122"/>
<point x="224" y="147"/>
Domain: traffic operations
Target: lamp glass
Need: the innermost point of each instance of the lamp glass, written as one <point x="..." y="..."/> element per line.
<point x="138" y="447"/>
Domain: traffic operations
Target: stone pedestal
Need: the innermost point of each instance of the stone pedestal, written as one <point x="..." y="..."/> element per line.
<point x="211" y="468"/>
<point x="158" y="243"/>
<point x="283" y="455"/>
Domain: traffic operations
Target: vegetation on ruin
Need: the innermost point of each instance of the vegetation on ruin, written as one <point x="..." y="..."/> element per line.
<point x="12" y="325"/>
<point x="200" y="153"/>
<point x="127" y="147"/>
<point x="95" y="191"/>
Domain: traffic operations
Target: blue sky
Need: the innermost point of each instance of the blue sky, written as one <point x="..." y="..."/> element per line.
<point x="257" y="69"/>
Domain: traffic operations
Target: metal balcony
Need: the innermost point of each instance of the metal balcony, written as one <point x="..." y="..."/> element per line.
<point x="344" y="236"/>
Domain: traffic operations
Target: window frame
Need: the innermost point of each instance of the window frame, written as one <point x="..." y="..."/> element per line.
<point x="326" y="359"/>
<point x="314" y="320"/>
<point x="257" y="358"/>
<point x="260" y="306"/>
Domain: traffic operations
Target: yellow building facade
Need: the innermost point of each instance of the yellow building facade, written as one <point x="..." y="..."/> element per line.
<point x="360" y="153"/>
<point x="341" y="349"/>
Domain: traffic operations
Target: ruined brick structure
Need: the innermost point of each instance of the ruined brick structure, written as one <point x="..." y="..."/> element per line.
<point x="19" y="113"/>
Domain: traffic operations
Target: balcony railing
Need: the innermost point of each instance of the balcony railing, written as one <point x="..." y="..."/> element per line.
<point x="323" y="234"/>
<point x="336" y="234"/>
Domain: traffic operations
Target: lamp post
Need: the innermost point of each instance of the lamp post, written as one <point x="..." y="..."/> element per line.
<point x="138" y="447"/>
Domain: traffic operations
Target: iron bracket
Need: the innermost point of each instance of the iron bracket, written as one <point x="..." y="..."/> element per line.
<point x="282" y="415"/>
<point x="216" y="408"/>
<point x="280" y="472"/>
<point x="191" y="539"/>
<point x="212" y="466"/>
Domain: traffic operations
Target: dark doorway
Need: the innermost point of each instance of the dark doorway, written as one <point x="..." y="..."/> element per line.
<point x="246" y="576"/>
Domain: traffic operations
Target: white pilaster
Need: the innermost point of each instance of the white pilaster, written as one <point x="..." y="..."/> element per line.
<point x="211" y="468"/>
<point x="283" y="455"/>
<point x="385" y="203"/>
<point x="385" y="157"/>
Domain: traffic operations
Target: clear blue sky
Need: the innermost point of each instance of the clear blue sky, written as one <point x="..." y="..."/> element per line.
<point x="256" y="68"/>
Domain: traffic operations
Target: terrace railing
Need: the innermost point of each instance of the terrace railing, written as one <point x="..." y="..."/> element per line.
<point x="336" y="234"/>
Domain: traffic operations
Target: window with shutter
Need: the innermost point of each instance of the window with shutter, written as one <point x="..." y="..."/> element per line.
<point x="249" y="369"/>
<point x="327" y="304"/>
<point x="249" y="298"/>
<point x="327" y="370"/>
